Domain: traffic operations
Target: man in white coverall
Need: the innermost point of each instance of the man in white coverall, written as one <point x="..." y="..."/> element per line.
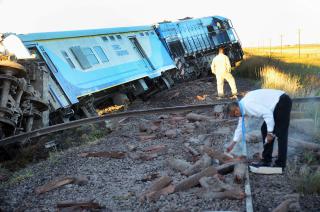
<point x="221" y="68"/>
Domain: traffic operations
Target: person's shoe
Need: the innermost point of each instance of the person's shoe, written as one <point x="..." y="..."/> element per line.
<point x="220" y="97"/>
<point x="277" y="165"/>
<point x="233" y="97"/>
<point x="260" y="164"/>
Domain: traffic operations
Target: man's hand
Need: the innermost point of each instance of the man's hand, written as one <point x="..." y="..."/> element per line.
<point x="231" y="146"/>
<point x="270" y="137"/>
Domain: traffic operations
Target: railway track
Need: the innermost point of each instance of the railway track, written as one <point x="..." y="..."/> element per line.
<point x="43" y="131"/>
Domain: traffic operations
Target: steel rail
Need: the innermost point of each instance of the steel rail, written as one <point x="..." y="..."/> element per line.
<point x="46" y="130"/>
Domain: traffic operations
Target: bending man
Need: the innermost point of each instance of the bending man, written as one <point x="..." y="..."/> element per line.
<point x="274" y="106"/>
<point x="221" y="68"/>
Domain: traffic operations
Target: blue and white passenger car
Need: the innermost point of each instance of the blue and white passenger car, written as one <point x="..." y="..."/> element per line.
<point x="101" y="63"/>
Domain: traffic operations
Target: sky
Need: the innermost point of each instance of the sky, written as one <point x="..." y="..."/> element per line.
<point x="257" y="22"/>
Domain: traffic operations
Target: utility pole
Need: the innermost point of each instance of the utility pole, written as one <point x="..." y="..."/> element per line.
<point x="270" y="48"/>
<point x="281" y="36"/>
<point x="299" y="33"/>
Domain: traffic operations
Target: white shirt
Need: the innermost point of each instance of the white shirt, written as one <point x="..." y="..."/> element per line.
<point x="220" y="64"/>
<point x="259" y="103"/>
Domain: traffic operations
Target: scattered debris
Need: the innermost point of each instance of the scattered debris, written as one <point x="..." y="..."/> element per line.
<point x="171" y="133"/>
<point x="60" y="182"/>
<point x="150" y="177"/>
<point x="240" y="172"/>
<point x="156" y="187"/>
<point x="78" y="206"/>
<point x="194" y="179"/>
<point x="214" y="184"/>
<point x="202" y="163"/>
<point x="146" y="138"/>
<point x="191" y="149"/>
<point x="155" y="195"/>
<point x="229" y="194"/>
<point x="143" y="156"/>
<point x="131" y="147"/>
<point x="221" y="157"/>
<point x="227" y="167"/>
<point x="290" y="200"/>
<point x="178" y="164"/>
<point x="115" y="154"/>
<point x="155" y="148"/>
<point x="201" y="98"/>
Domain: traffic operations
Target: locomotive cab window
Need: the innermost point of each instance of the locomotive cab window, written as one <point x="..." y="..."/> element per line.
<point x="210" y="28"/>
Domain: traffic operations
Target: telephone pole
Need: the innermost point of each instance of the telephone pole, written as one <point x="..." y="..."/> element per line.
<point x="281" y="36"/>
<point x="299" y="34"/>
<point x="270" y="47"/>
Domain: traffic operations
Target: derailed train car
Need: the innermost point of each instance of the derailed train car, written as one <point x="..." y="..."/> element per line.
<point x="194" y="42"/>
<point x="73" y="73"/>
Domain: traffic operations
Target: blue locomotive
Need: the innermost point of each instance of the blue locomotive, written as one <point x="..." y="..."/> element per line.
<point x="74" y="73"/>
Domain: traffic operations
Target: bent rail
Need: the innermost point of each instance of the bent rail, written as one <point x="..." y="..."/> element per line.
<point x="55" y="128"/>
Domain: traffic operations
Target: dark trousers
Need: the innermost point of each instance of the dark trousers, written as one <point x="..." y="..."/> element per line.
<point x="281" y="115"/>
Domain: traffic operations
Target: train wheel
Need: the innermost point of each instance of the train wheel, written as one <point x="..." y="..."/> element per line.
<point x="121" y="99"/>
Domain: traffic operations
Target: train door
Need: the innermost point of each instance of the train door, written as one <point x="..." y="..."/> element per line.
<point x="138" y="48"/>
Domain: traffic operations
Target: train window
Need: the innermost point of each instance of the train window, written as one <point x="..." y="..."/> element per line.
<point x="210" y="28"/>
<point x="111" y="37"/>
<point x="104" y="38"/>
<point x="141" y="34"/>
<point x="101" y="54"/>
<point x="90" y="56"/>
<point x="80" y="57"/>
<point x="147" y="33"/>
<point x="119" y="37"/>
<point x="68" y="59"/>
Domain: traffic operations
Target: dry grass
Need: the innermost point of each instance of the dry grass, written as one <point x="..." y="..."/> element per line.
<point x="272" y="77"/>
<point x="283" y="69"/>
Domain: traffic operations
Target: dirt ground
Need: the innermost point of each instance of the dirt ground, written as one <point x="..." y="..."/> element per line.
<point x="149" y="143"/>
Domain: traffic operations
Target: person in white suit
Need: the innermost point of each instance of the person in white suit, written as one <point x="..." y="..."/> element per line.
<point x="221" y="67"/>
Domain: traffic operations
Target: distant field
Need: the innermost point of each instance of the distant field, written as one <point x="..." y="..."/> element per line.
<point x="268" y="66"/>
<point x="309" y="54"/>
